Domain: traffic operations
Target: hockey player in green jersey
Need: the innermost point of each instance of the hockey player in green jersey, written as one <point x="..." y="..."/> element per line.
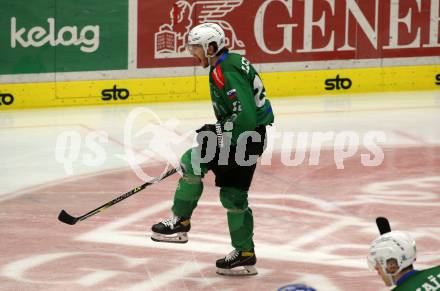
<point x="392" y="255"/>
<point x="229" y="148"/>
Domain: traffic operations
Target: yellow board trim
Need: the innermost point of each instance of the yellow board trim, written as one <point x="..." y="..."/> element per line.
<point x="278" y="84"/>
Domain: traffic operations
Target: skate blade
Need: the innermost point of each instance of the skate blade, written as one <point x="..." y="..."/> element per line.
<point x="180" y="237"/>
<point x="238" y="271"/>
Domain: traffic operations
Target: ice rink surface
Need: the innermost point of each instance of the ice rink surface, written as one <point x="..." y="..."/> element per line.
<point x="313" y="212"/>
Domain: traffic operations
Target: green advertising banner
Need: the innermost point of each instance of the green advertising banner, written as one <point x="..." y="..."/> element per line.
<point x="45" y="36"/>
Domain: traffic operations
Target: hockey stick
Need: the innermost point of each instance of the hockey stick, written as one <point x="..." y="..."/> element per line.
<point x="69" y="219"/>
<point x="383" y="225"/>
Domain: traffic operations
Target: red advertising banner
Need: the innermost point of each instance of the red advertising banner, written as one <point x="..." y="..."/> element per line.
<point x="271" y="31"/>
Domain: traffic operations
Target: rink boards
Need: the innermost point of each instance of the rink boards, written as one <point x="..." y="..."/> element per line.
<point x="64" y="53"/>
<point x="164" y="89"/>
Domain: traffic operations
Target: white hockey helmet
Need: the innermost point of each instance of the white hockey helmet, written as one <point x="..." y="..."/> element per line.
<point x="392" y="245"/>
<point x="205" y="33"/>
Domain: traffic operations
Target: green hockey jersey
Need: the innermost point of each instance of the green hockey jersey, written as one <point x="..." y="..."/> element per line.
<point x="238" y="95"/>
<point x="426" y="280"/>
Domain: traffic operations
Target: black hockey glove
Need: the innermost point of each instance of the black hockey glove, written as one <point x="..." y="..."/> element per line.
<point x="215" y="128"/>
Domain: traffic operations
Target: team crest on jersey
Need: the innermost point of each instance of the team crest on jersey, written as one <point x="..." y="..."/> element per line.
<point x="214" y="90"/>
<point x="170" y="40"/>
<point x="232" y="94"/>
<point x="216" y="93"/>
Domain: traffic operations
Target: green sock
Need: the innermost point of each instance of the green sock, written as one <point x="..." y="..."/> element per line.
<point x="241" y="228"/>
<point x="187" y="195"/>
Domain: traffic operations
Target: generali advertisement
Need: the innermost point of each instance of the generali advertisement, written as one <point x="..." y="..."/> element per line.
<point x="275" y="31"/>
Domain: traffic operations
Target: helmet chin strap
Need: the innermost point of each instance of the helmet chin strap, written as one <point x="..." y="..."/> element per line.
<point x="209" y="57"/>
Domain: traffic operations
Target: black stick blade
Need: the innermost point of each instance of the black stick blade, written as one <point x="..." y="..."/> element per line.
<point x="67" y="218"/>
<point x="383" y="225"/>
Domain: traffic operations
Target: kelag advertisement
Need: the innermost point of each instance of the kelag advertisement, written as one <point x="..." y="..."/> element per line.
<point x="63" y="36"/>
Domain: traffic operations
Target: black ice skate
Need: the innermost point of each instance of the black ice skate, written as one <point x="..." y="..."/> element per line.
<point x="237" y="263"/>
<point x="172" y="230"/>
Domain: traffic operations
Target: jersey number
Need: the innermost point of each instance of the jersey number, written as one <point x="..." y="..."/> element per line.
<point x="259" y="91"/>
<point x="245" y="65"/>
